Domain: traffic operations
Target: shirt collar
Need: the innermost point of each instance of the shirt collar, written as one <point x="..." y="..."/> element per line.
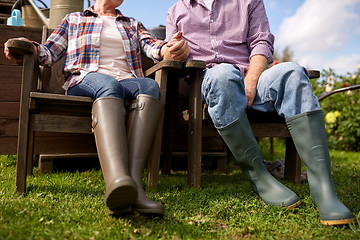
<point x="90" y="12"/>
<point x="188" y="2"/>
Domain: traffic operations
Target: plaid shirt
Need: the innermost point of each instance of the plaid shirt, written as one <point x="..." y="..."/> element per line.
<point x="78" y="38"/>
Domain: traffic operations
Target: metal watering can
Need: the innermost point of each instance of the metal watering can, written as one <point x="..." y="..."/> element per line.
<point x="58" y="10"/>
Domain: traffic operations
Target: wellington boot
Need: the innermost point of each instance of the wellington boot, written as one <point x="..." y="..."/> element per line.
<point x="110" y="136"/>
<point x="309" y="135"/>
<point x="239" y="138"/>
<point x="142" y="123"/>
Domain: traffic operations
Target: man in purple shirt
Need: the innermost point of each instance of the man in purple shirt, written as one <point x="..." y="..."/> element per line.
<point x="234" y="39"/>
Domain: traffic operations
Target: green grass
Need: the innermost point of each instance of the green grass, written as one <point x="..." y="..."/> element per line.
<point x="69" y="205"/>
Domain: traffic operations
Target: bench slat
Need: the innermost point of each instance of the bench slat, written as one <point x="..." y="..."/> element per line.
<point x="65" y="124"/>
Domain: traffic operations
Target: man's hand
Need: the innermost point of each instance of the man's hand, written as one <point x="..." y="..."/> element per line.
<point x="258" y="63"/>
<point x="250" y="91"/>
<point x="8" y="54"/>
<point x="176" y="49"/>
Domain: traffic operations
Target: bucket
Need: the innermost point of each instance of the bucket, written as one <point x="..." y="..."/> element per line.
<point x="31" y="19"/>
<point x="59" y="9"/>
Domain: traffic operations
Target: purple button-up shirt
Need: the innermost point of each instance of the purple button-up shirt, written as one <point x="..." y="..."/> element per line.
<point x="232" y="32"/>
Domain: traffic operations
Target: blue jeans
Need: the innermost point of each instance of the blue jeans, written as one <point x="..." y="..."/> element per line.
<point x="96" y="85"/>
<point x="284" y="88"/>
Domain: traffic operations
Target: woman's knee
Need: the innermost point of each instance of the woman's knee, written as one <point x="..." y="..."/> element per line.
<point x="150" y="87"/>
<point x="111" y="89"/>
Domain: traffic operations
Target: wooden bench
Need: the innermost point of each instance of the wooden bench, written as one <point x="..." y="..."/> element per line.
<point x="263" y="125"/>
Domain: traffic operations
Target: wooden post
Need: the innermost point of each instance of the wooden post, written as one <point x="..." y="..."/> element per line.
<point x="292" y="163"/>
<point x="22" y="157"/>
<point x="154" y="155"/>
<point x="195" y="129"/>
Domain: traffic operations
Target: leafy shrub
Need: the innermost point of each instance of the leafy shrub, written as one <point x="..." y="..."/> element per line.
<point x="341" y="110"/>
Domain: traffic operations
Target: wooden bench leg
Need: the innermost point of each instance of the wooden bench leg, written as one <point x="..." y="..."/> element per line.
<point x="195" y="130"/>
<point x="168" y="134"/>
<point x="30" y="153"/>
<point x="24" y="160"/>
<point x="46" y="164"/>
<point x="221" y="164"/>
<point x="25" y="137"/>
<point x="292" y="163"/>
<point x="21" y="168"/>
<point x="169" y="128"/>
<point x="153" y="167"/>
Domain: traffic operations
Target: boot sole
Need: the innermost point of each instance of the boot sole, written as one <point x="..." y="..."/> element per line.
<point x="288" y="207"/>
<point x="116" y="213"/>
<point x="121" y="195"/>
<point x="294" y="205"/>
<point x="150" y="211"/>
<point x="337" y="222"/>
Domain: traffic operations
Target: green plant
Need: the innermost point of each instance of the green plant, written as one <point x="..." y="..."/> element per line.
<point x="341" y="110"/>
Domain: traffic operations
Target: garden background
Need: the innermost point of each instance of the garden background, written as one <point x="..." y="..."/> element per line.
<point x="68" y="204"/>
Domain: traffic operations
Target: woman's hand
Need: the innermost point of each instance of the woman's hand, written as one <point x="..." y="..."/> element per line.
<point x="8" y="54"/>
<point x="176" y="49"/>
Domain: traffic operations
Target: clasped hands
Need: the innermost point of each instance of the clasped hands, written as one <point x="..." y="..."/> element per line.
<point x="176" y="49"/>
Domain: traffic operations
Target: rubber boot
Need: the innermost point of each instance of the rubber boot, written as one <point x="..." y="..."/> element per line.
<point x="241" y="141"/>
<point x="142" y="124"/>
<point x="309" y="136"/>
<point x="110" y="136"/>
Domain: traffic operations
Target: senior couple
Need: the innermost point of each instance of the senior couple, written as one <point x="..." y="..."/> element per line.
<point x="102" y="50"/>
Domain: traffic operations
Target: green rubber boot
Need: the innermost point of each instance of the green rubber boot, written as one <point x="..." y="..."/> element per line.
<point x="309" y="135"/>
<point x="240" y="139"/>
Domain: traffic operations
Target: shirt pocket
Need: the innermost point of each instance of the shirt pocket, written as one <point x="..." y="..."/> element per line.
<point x="236" y="32"/>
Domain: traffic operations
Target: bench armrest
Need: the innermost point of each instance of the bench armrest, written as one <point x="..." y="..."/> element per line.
<point x="195" y="64"/>
<point x="18" y="48"/>
<point x="313" y="74"/>
<point x="171" y="65"/>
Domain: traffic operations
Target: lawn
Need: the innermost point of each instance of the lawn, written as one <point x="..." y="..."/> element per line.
<point x="69" y="205"/>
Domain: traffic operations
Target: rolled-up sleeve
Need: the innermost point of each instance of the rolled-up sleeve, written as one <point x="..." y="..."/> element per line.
<point x="55" y="46"/>
<point x="150" y="45"/>
<point x="260" y="40"/>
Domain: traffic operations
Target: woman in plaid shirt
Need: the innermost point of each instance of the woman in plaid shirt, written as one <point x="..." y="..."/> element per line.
<point x="102" y="50"/>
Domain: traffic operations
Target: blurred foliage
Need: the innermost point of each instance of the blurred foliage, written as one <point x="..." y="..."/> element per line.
<point x="285" y="56"/>
<point x="341" y="110"/>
